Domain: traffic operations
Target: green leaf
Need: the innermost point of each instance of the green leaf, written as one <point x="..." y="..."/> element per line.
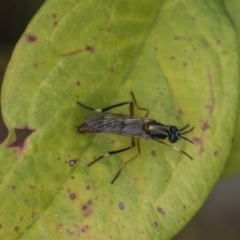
<point x="180" y="59"/>
<point x="233" y="164"/>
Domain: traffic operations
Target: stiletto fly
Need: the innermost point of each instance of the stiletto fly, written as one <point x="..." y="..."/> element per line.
<point x="132" y="126"/>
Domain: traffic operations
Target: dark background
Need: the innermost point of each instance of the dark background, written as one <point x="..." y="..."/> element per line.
<point x="219" y="218"/>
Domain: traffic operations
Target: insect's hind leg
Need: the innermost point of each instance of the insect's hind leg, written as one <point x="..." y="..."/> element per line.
<point x="127" y="162"/>
<point x="110" y="107"/>
<point x="114" y="152"/>
<point x="140" y="108"/>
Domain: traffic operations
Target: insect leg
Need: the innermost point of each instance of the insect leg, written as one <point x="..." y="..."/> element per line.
<point x="131" y="159"/>
<point x="113" y="152"/>
<point x="110" y="107"/>
<point x="140" y="108"/>
<point x="178" y="149"/>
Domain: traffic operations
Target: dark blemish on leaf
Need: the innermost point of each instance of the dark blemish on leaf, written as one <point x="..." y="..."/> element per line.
<point x="153" y="153"/>
<point x="72" y="196"/>
<point x="85" y="229"/>
<point x="199" y="141"/>
<point x="13" y="187"/>
<point x="31" y="186"/>
<point x="87" y="48"/>
<point x="205" y="126"/>
<point x="16" y="229"/>
<point x="31" y="38"/>
<point x="54" y="16"/>
<point x="216" y="153"/>
<point x="121" y="205"/>
<point x="86" y="208"/>
<point x="72" y="177"/>
<point x="184" y="64"/>
<point x="1" y="226"/>
<point x="70" y="232"/>
<point x="180" y="111"/>
<point x="72" y="162"/>
<point x="72" y="53"/>
<point x="218" y="42"/>
<point x="59" y="226"/>
<point x="112" y="69"/>
<point x="160" y="210"/>
<point x="78" y="83"/>
<point x="211" y="106"/>
<point x="21" y="135"/>
<point x="88" y="187"/>
<point x="177" y="38"/>
<point x="35" y="65"/>
<point x="172" y="58"/>
<point x="194" y="49"/>
<point x="90" y="49"/>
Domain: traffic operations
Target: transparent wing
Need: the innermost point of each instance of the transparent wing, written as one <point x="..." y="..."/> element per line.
<point x="118" y="124"/>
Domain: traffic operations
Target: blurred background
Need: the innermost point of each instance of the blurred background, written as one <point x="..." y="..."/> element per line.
<point x="218" y="219"/>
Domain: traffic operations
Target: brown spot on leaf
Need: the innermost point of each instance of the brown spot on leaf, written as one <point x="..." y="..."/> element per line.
<point x="177" y="38"/>
<point x="59" y="226"/>
<point x="72" y="196"/>
<point x="153" y="153"/>
<point x="121" y="205"/>
<point x="21" y="135"/>
<point x="78" y="83"/>
<point x="90" y="48"/>
<point x="211" y="106"/>
<point x="205" y="126"/>
<point x="70" y="232"/>
<point x="31" y="38"/>
<point x="199" y="141"/>
<point x="85" y="229"/>
<point x="72" y="162"/>
<point x="88" y="187"/>
<point x="86" y="208"/>
<point x="160" y="210"/>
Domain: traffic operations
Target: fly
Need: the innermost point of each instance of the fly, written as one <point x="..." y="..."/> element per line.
<point x="132" y="126"/>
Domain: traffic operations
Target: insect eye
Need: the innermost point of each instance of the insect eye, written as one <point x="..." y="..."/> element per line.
<point x="173" y="137"/>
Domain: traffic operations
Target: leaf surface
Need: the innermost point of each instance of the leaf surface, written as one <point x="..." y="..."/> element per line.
<point x="175" y="56"/>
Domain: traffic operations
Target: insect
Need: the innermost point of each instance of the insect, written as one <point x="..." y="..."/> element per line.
<point x="133" y="126"/>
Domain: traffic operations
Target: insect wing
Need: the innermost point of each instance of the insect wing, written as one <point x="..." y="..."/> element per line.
<point x="118" y="124"/>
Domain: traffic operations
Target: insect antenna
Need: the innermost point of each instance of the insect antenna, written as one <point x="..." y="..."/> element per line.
<point x="182" y="133"/>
